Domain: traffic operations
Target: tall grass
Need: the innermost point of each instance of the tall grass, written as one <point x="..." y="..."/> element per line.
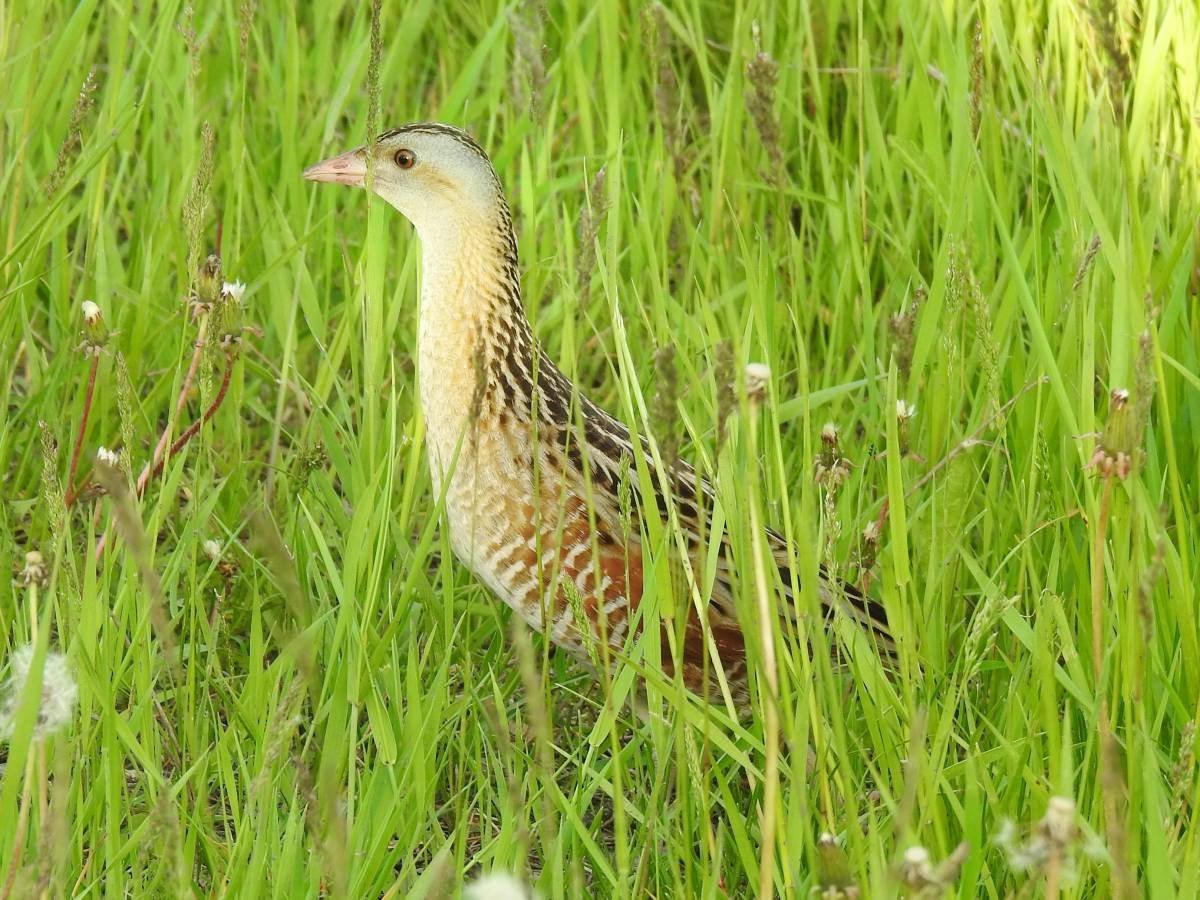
<point x="984" y="212"/>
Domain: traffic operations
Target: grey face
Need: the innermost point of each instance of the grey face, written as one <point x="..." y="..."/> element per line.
<point x="433" y="174"/>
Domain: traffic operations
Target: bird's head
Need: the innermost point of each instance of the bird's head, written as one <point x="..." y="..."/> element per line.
<point x="432" y="173"/>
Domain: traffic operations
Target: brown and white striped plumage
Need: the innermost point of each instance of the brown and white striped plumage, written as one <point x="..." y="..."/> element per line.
<point x="530" y="469"/>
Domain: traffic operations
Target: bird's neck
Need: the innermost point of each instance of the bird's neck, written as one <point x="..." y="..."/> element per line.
<point x="474" y="338"/>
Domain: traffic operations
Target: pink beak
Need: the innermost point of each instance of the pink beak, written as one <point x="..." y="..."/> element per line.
<point x="349" y="168"/>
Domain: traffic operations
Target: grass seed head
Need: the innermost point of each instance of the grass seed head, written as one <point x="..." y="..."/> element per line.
<point x="964" y="294"/>
<point x="374" y="87"/>
<point x="977" y="79"/>
<point x="724" y="377"/>
<point x="1183" y="775"/>
<point x="1145" y="382"/>
<point x="195" y="208"/>
<point x="52" y="491"/>
<point x="1106" y="21"/>
<point x="762" y="73"/>
<point x="590" y="217"/>
<point x="529" y="63"/>
<point x="902" y="327"/>
<point x="664" y="412"/>
<point x="247" y="10"/>
<point x="125" y="394"/>
<point x="187" y="30"/>
<point x="981" y="633"/>
<point x="625" y="489"/>
<point x="579" y="614"/>
<point x="73" y="142"/>
<point x="1085" y="264"/>
<point x="667" y="101"/>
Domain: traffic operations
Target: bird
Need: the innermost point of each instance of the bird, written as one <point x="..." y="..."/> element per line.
<point x="534" y="475"/>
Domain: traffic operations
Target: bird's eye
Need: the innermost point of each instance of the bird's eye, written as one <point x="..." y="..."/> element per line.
<point x="405" y="159"/>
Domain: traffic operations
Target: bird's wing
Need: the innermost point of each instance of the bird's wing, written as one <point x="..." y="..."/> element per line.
<point x="607" y="441"/>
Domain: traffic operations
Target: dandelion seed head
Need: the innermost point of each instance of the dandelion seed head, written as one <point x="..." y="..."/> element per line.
<point x="59" y="693"/>
<point x="916" y="868"/>
<point x="1006" y="834"/>
<point x="1059" y="821"/>
<point x="1030" y="855"/>
<point x="212" y="549"/>
<point x="497" y="886"/>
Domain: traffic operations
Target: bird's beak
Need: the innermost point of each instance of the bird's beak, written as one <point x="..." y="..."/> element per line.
<point x="349" y="168"/>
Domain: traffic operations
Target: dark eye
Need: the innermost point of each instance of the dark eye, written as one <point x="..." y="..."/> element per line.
<point x="405" y="159"/>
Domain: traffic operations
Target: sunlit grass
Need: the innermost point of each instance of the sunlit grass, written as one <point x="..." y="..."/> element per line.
<point x="286" y="685"/>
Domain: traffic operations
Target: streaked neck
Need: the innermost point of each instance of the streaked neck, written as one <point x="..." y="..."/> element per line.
<point x="473" y="331"/>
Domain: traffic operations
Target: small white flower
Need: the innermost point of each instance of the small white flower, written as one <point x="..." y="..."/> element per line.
<point x="829" y="433"/>
<point x="497" y="886"/>
<point x="91" y="313"/>
<point x="1119" y="397"/>
<point x="59" y="692"/>
<point x="108" y="457"/>
<point x="870" y="533"/>
<point x="905" y="410"/>
<point x="233" y="290"/>
<point x="212" y="549"/>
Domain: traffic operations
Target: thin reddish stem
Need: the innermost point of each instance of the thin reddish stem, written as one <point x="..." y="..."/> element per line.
<point x="181" y="441"/>
<point x="1098" y="546"/>
<point x="181" y="401"/>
